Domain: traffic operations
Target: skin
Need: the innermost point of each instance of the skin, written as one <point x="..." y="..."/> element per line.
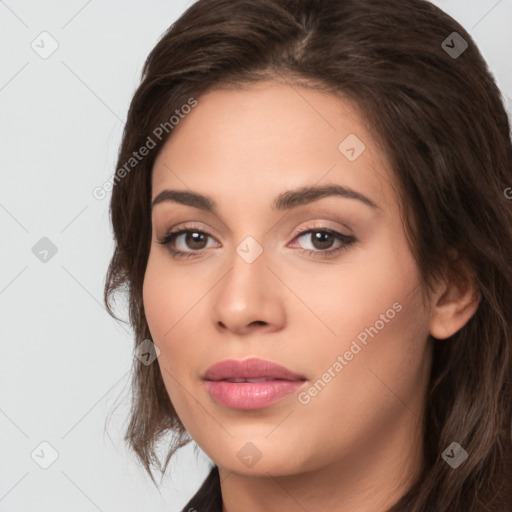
<point x="356" y="446"/>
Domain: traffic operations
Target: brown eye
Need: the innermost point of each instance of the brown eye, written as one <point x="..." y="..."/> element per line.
<point x="322" y="239"/>
<point x="186" y="242"/>
<point x="195" y="240"/>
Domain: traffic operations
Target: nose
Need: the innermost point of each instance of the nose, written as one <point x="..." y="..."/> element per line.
<point x="249" y="298"/>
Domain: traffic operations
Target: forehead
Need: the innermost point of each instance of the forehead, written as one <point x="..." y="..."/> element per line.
<point x="271" y="137"/>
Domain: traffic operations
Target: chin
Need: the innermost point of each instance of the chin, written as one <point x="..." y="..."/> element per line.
<point x="259" y="457"/>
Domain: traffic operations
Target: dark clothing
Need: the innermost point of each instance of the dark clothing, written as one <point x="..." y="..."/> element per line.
<point x="208" y="498"/>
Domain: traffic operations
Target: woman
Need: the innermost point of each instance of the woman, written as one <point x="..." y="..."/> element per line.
<point x="311" y="221"/>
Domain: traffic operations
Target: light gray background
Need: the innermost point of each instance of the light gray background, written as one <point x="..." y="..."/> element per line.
<point x="64" y="363"/>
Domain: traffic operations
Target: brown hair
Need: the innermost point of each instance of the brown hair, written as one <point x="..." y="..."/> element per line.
<point x="440" y="120"/>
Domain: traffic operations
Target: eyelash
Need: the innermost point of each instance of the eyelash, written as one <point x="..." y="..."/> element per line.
<point x="347" y="240"/>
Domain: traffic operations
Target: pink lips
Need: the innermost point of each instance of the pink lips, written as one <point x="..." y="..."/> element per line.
<point x="250" y="383"/>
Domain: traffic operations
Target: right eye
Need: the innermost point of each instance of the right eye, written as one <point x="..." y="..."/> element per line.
<point x="191" y="238"/>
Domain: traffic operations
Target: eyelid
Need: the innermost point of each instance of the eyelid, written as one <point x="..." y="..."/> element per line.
<point x="189" y="226"/>
<point x="320" y="225"/>
<point x="347" y="240"/>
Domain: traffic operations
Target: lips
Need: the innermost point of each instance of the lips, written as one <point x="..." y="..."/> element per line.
<point x="251" y="383"/>
<point x="250" y="370"/>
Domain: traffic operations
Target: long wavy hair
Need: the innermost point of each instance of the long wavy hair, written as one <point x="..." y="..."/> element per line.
<point x="439" y="117"/>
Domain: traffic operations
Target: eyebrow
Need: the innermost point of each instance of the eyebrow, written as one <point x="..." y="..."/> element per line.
<point x="284" y="201"/>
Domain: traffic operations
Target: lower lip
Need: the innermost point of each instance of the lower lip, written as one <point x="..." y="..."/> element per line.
<point x="251" y="395"/>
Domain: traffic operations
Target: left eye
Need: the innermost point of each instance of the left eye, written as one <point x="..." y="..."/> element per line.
<point x="323" y="238"/>
<point x="195" y="240"/>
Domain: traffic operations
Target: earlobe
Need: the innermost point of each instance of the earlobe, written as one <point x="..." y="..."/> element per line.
<point x="453" y="304"/>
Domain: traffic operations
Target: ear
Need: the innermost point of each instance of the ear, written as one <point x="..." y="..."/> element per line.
<point x="455" y="300"/>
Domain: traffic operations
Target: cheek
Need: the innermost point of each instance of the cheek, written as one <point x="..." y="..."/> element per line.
<point x="373" y="308"/>
<point x="167" y="295"/>
<point x="172" y="303"/>
<point x="165" y="308"/>
<point x="352" y="294"/>
<point x="381" y="335"/>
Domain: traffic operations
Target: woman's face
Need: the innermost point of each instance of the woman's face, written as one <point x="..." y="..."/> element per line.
<point x="351" y="322"/>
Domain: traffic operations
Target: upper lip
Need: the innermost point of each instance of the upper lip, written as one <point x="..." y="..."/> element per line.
<point x="252" y="368"/>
